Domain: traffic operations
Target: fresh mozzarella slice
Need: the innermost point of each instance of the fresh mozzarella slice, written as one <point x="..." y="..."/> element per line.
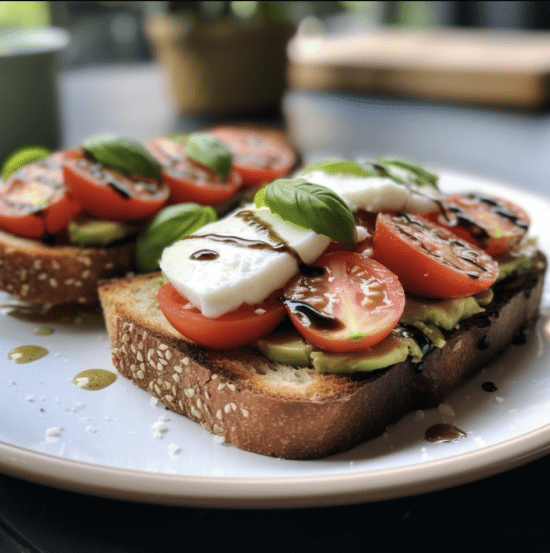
<point x="233" y="261"/>
<point x="377" y="193"/>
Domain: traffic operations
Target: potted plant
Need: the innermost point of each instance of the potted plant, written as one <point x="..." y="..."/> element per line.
<point x="222" y="58"/>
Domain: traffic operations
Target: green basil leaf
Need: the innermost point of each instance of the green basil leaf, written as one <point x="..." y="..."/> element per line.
<point x="311" y="206"/>
<point x="23" y="157"/>
<point x="179" y="137"/>
<point x="341" y="166"/>
<point x="422" y="176"/>
<point x="209" y="151"/>
<point x="381" y="169"/>
<point x="125" y="154"/>
<point x="170" y="225"/>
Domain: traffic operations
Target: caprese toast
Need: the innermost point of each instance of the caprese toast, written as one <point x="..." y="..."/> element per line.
<point x="71" y="218"/>
<point x="344" y="298"/>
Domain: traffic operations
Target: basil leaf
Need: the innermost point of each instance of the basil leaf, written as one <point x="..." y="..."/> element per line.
<point x="341" y="166"/>
<point x="311" y="206"/>
<point x="383" y="170"/>
<point x="125" y="154"/>
<point x="179" y="137"/>
<point x="169" y="225"/>
<point x="23" y="157"/>
<point x="209" y="151"/>
<point x="422" y="176"/>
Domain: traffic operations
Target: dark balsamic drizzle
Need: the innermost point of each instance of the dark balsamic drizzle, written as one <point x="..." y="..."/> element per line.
<point x="444" y="433"/>
<point x="205" y="255"/>
<point x="279" y="246"/>
<point x="49" y="239"/>
<point x="99" y="171"/>
<point x="406" y="330"/>
<point x="484" y="343"/>
<point x="489" y="387"/>
<point x="520" y="337"/>
<point x="500" y="210"/>
<point x="468" y="256"/>
<point x="314" y="316"/>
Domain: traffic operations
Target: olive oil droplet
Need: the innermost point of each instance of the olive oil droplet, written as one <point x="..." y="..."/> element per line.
<point x="94" y="379"/>
<point x="26" y="354"/>
<point x="44" y="331"/>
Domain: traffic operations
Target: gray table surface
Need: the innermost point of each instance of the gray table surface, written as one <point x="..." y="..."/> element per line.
<point x="506" y="512"/>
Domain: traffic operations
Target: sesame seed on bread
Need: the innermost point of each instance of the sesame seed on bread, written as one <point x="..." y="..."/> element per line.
<point x="297" y="413"/>
<point x="38" y="273"/>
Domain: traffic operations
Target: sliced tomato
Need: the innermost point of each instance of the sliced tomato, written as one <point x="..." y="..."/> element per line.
<point x="493" y="224"/>
<point x="353" y="304"/>
<point x="430" y="260"/>
<point x="232" y="330"/>
<point x="106" y="193"/>
<point x="34" y="200"/>
<point x="364" y="246"/>
<point x="189" y="181"/>
<point x="257" y="157"/>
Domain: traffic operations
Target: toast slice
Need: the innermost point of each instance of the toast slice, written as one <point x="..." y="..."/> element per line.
<point x="297" y="413"/>
<point x="35" y="272"/>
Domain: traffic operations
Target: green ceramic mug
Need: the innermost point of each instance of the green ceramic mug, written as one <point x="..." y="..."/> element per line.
<point x="29" y="101"/>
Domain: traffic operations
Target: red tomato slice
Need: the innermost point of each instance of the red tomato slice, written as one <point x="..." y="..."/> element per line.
<point x="354" y="304"/>
<point x="233" y="330"/>
<point x="190" y="181"/>
<point x="430" y="260"/>
<point x="493" y="224"/>
<point x="256" y="157"/>
<point x="35" y="202"/>
<point x="364" y="247"/>
<point x="106" y="193"/>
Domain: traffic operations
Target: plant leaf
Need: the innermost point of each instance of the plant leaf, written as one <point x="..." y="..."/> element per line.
<point x="170" y="225"/>
<point x="311" y="206"/>
<point x="209" y="151"/>
<point x="23" y="157"/>
<point x="337" y="165"/>
<point x="422" y="176"/>
<point x="125" y="154"/>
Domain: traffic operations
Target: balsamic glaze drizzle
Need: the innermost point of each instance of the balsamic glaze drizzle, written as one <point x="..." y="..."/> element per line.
<point x="314" y="316"/>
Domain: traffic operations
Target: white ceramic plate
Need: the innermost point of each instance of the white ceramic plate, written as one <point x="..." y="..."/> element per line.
<point x="109" y="444"/>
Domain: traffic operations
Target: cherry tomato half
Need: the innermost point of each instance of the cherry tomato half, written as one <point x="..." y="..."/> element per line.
<point x="364" y="246"/>
<point x="188" y="180"/>
<point x="430" y="260"/>
<point x="232" y="330"/>
<point x="354" y="304"/>
<point x="34" y="200"/>
<point x="493" y="224"/>
<point x="257" y="157"/>
<point x="106" y="193"/>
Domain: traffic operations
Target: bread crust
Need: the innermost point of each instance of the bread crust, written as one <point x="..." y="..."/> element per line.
<point x="302" y="415"/>
<point x="35" y="272"/>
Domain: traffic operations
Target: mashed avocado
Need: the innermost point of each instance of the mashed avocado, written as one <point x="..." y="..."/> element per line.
<point x="97" y="232"/>
<point x="428" y="316"/>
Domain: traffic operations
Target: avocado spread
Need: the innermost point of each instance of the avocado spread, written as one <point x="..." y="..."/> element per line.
<point x="428" y="316"/>
<point x="97" y="232"/>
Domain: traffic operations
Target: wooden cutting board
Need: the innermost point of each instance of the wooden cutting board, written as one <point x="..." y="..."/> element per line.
<point x="484" y="67"/>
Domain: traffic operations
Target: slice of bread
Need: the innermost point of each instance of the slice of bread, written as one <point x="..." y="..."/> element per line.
<point x="35" y="272"/>
<point x="296" y="413"/>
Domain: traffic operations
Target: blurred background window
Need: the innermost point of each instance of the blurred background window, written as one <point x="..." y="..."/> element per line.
<point x="108" y="32"/>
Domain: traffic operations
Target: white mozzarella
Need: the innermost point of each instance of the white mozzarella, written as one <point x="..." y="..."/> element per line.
<point x="239" y="274"/>
<point x="377" y="193"/>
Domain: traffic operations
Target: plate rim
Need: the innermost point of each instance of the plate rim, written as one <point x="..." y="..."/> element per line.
<point x="273" y="492"/>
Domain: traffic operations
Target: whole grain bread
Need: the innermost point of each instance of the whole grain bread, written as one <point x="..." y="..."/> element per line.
<point x="296" y="413"/>
<point x="35" y="272"/>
